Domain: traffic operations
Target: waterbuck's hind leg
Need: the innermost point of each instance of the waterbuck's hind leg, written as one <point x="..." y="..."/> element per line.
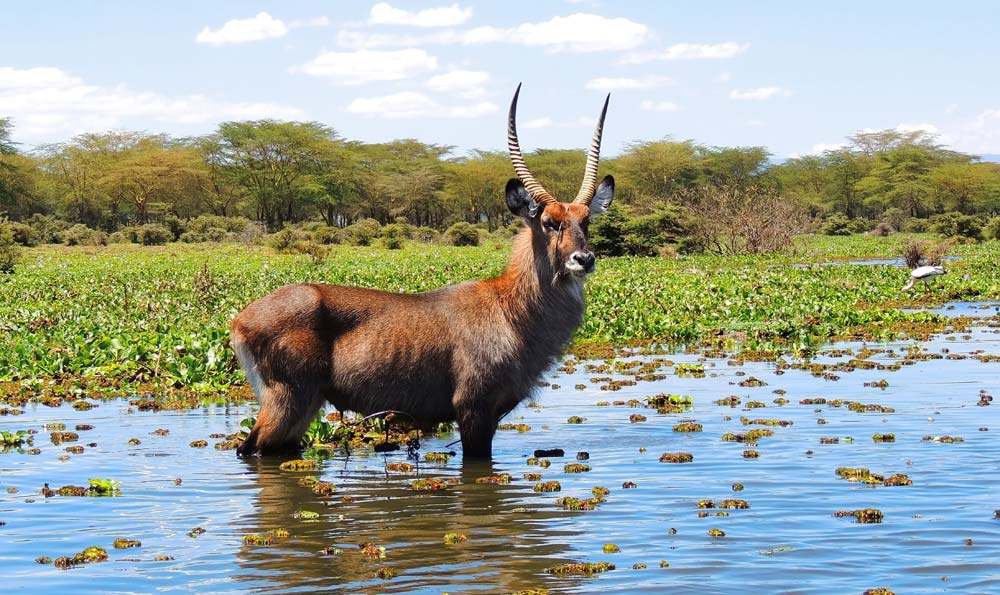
<point x="285" y="415"/>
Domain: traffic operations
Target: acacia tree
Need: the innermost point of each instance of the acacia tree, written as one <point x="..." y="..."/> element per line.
<point x="279" y="165"/>
<point x="474" y="185"/>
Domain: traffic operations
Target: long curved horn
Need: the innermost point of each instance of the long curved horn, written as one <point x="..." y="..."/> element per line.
<point x="534" y="188"/>
<point x="589" y="186"/>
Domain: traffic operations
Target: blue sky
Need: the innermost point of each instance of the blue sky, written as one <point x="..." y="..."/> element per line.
<point x="795" y="77"/>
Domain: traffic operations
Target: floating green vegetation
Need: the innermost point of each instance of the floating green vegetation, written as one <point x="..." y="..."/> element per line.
<point x="883" y="437"/>
<point x="862" y="515"/>
<point x="58" y="438"/>
<point x="751" y="454"/>
<point x="676" y="457"/>
<point x="713" y="532"/>
<point x="372" y="551"/>
<point x="429" y="485"/>
<point x="122" y="543"/>
<point x="734" y="503"/>
<point x="198" y="443"/>
<point x="438" y="457"/>
<point x="455" y="538"/>
<point x="104" y="487"/>
<point x="688" y="426"/>
<point x="576" y="468"/>
<point x="706" y="504"/>
<point x="305" y="515"/>
<point x="571" y="503"/>
<point x="690" y="370"/>
<point x="943" y="439"/>
<point x="583" y="456"/>
<point x="776" y="550"/>
<point x="581" y="568"/>
<point x="503" y="478"/>
<point x="730" y="401"/>
<point x="514" y="427"/>
<point x="299" y="465"/>
<point x="879" y="591"/>
<point x="324" y="488"/>
<point x="610" y="548"/>
<point x="548" y="486"/>
<point x="882" y="384"/>
<point x="385" y="573"/>
<point x="196" y="532"/>
<point x="532" y="476"/>
<point x="13" y="439"/>
<point x="636" y="418"/>
<point x="87" y="556"/>
<point x="737" y="487"/>
<point x="269" y="538"/>
<point x="752" y="382"/>
<point x="401" y="467"/>
<point x="575" y="419"/>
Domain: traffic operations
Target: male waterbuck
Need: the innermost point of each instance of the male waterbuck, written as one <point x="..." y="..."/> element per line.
<point x="468" y="352"/>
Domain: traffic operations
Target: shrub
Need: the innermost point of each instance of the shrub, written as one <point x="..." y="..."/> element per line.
<point x="393" y="235"/>
<point x="743" y="219"/>
<point x="607" y="231"/>
<point x="130" y="233"/>
<point x="176" y="225"/>
<point x="24" y="234"/>
<point x="425" y="234"/>
<point x="921" y="252"/>
<point x="48" y="229"/>
<point x="328" y="235"/>
<point x="915" y="225"/>
<point x="78" y="235"/>
<point x="894" y="218"/>
<point x="645" y="235"/>
<point x="881" y="230"/>
<point x="317" y="252"/>
<point x="203" y="223"/>
<point x="154" y="234"/>
<point x="463" y="234"/>
<point x="835" y="225"/>
<point x="991" y="231"/>
<point x="957" y="225"/>
<point x="363" y="232"/>
<point x="10" y="252"/>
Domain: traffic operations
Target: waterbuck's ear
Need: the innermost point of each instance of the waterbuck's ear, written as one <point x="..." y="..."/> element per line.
<point x="603" y="197"/>
<point x="519" y="201"/>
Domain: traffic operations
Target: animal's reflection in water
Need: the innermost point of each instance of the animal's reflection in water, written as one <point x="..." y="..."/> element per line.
<point x="510" y="532"/>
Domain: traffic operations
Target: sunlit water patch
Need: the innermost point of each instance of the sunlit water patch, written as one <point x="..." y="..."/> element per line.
<point x="194" y="508"/>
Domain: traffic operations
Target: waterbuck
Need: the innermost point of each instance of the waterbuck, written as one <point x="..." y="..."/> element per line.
<point x="468" y="352"/>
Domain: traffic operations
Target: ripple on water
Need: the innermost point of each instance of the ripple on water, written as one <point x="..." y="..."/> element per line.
<point x="787" y="541"/>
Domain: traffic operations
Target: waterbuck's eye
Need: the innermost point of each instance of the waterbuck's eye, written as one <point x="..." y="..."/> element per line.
<point x="550" y="225"/>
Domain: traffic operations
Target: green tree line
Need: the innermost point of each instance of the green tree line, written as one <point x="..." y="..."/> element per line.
<point x="281" y="173"/>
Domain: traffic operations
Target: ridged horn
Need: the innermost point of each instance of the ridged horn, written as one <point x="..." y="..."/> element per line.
<point x="589" y="186"/>
<point x="534" y="188"/>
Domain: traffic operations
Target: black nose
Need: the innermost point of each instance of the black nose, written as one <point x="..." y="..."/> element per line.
<point x="586" y="259"/>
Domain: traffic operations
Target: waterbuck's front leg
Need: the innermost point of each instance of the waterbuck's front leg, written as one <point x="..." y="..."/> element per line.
<point x="477" y="422"/>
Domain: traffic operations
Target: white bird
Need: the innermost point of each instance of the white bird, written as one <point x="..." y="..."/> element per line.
<point x="924" y="274"/>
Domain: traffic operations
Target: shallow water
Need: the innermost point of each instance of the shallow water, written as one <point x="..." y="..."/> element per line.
<point x="786" y="542"/>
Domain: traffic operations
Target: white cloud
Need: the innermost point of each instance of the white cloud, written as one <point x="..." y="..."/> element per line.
<point x="410" y="104"/>
<point x="758" y="94"/>
<point x="691" y="51"/>
<point x="310" y="22"/>
<point x="50" y="104"/>
<point x="582" y="32"/>
<point x="441" y="16"/>
<point x="362" y="66"/>
<point x="613" y="84"/>
<point x="723" y="77"/>
<point x="464" y="83"/>
<point x="659" y="106"/>
<point x="538" y="123"/>
<point x="577" y="33"/>
<point x="262" y="26"/>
